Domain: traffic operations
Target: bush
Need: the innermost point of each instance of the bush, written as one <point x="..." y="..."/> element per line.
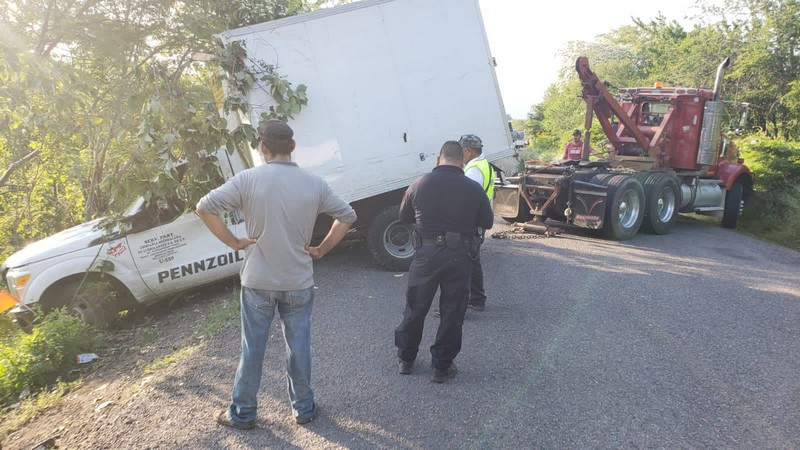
<point x="8" y="329"/>
<point x="776" y="166"/>
<point x="774" y="213"/>
<point x="37" y="359"/>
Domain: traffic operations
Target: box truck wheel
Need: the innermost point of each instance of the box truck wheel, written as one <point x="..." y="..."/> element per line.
<point x="389" y="241"/>
<point x="662" y="198"/>
<point x="733" y="206"/>
<point x="624" y="207"/>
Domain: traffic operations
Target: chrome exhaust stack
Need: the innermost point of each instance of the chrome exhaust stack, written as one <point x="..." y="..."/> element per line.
<point x="712" y="121"/>
<point x="718" y="79"/>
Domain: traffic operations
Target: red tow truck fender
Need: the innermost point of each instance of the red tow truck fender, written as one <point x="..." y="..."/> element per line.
<point x="729" y="172"/>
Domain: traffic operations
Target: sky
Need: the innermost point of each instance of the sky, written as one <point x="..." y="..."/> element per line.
<point x="526" y="37"/>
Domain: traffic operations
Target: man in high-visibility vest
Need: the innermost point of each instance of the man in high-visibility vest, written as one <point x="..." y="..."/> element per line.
<point x="478" y="169"/>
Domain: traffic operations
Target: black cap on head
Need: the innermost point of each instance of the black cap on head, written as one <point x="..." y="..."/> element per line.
<point x="276" y="135"/>
<point x="576" y="132"/>
<point x="471" y="141"/>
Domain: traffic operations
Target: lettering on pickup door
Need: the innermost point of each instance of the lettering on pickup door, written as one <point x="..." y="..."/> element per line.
<point x="202" y="265"/>
<point x="161" y="248"/>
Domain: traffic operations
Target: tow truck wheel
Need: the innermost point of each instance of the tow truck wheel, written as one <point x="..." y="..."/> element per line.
<point x="662" y="197"/>
<point x="733" y="206"/>
<point x="625" y="207"/>
<point x="389" y="241"/>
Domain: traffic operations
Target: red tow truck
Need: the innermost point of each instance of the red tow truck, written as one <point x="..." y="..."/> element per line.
<point x="665" y="154"/>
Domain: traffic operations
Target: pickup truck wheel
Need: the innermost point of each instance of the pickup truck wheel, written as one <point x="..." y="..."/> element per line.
<point x="389" y="241"/>
<point x="733" y="206"/>
<point x="624" y="208"/>
<point x="95" y="304"/>
<point x="662" y="198"/>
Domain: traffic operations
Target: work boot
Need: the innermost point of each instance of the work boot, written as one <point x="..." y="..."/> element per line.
<point x="222" y="418"/>
<point x="440" y="375"/>
<point x="404" y="367"/>
<point x="306" y="419"/>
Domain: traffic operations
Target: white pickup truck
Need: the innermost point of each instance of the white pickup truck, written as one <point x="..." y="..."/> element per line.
<point x="388" y="81"/>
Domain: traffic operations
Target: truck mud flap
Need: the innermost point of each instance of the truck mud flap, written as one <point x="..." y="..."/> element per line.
<point x="588" y="204"/>
<point x="506" y="201"/>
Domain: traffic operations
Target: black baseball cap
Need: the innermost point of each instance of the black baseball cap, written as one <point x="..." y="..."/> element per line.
<point x="276" y="135"/>
<point x="577" y="131"/>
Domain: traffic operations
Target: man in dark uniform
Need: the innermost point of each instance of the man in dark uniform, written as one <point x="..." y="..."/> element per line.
<point x="447" y="208"/>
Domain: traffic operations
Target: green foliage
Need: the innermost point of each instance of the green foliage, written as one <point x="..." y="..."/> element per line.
<point x="8" y="329"/>
<point x="774" y="212"/>
<point x="37" y="359"/>
<point x="100" y="99"/>
<point x="776" y="163"/>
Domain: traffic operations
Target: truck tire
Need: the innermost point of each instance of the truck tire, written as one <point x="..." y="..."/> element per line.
<point x="92" y="308"/>
<point x="624" y="208"/>
<point x="389" y="241"/>
<point x="733" y="206"/>
<point x="662" y="199"/>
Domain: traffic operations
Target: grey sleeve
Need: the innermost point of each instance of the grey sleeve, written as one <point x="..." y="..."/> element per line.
<point x="227" y="197"/>
<point x="334" y="206"/>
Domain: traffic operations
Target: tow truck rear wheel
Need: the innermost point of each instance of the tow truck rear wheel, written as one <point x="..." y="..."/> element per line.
<point x="389" y="241"/>
<point x="662" y="198"/>
<point x="733" y="206"/>
<point x="624" y="208"/>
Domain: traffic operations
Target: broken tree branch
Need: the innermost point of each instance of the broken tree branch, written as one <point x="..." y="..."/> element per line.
<point x="16" y="165"/>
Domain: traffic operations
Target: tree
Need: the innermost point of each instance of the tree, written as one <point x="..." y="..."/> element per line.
<point x="100" y="98"/>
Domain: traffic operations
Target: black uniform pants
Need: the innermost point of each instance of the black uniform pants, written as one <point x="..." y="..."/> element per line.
<point x="435" y="268"/>
<point x="477" y="296"/>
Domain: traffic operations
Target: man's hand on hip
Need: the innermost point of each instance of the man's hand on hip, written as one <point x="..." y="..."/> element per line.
<point x="315" y="252"/>
<point x="242" y="243"/>
<point x="218" y="228"/>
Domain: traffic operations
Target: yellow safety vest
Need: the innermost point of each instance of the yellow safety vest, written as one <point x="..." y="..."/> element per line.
<point x="488" y="174"/>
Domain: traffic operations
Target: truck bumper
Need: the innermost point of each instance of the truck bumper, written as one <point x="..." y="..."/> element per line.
<point x="24" y="317"/>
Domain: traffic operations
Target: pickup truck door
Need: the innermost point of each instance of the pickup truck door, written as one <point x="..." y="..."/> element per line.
<point x="181" y="254"/>
<point x="175" y="251"/>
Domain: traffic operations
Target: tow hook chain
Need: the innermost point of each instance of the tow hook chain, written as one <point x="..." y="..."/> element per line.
<point x="519" y="235"/>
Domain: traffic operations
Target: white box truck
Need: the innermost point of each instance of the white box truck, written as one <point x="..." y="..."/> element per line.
<point x="388" y="82"/>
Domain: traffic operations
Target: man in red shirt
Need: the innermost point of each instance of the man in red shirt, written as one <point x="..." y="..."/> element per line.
<point x="575" y="147"/>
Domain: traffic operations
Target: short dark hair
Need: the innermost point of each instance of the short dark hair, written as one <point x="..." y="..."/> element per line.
<point x="452" y="151"/>
<point x="277" y="136"/>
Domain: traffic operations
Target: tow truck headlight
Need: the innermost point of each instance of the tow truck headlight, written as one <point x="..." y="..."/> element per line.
<point x="16" y="283"/>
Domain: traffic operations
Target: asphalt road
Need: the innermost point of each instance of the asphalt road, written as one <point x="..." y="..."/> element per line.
<point x="685" y="340"/>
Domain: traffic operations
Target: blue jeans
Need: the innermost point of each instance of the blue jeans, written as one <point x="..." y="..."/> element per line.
<point x="258" y="309"/>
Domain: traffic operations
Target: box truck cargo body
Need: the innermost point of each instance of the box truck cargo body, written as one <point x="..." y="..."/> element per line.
<point x="388" y="82"/>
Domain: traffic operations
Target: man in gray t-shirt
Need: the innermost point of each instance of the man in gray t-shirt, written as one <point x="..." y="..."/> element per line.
<point x="280" y="202"/>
